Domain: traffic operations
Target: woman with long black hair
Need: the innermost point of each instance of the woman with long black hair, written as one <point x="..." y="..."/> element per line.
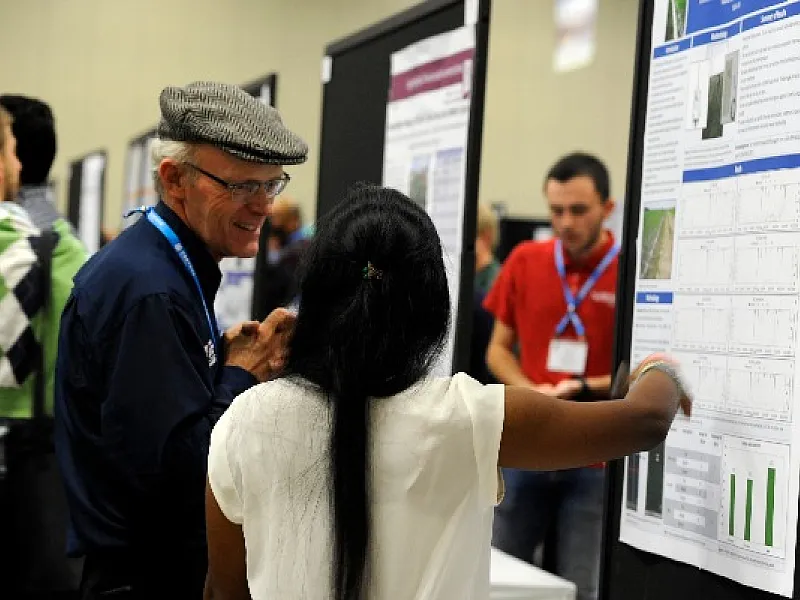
<point x="358" y="475"/>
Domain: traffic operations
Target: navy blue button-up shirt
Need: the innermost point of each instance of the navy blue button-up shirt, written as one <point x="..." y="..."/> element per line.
<point x="137" y="393"/>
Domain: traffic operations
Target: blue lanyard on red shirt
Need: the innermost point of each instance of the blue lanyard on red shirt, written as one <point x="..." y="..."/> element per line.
<point x="573" y="302"/>
<point x="176" y="244"/>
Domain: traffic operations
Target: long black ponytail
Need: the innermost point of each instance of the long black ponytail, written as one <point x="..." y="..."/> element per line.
<point x="373" y="315"/>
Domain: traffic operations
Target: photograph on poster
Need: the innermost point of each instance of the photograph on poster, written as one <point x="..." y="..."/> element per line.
<point x="697" y="107"/>
<point x="676" y="20"/>
<point x="418" y="186"/>
<point x="658" y="236"/>
<point x="722" y="92"/>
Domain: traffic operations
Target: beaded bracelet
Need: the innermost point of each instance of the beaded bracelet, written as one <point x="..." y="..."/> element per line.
<point x="667" y="369"/>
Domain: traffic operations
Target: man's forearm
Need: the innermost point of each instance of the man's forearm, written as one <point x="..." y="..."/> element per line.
<point x="504" y="365"/>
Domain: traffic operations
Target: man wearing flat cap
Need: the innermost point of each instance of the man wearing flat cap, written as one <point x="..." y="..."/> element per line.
<point x="143" y="374"/>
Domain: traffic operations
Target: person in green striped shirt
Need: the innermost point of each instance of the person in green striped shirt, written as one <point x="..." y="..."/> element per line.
<point x="37" y="265"/>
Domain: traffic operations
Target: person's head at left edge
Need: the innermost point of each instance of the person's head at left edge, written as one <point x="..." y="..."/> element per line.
<point x="578" y="191"/>
<point x="219" y="162"/>
<point x="9" y="164"/>
<point x="35" y="131"/>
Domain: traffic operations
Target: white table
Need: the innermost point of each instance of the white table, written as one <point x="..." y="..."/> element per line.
<point x="513" y="579"/>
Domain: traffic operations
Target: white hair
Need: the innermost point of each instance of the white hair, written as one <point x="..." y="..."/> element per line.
<point x="161" y="149"/>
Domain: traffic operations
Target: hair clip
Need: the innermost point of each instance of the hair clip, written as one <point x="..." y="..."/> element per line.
<point x="370" y="272"/>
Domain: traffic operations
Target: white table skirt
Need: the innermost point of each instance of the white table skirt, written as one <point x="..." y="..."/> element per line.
<point x="513" y="579"/>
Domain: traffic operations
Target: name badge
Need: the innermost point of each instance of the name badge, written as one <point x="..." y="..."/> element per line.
<point x="567" y="356"/>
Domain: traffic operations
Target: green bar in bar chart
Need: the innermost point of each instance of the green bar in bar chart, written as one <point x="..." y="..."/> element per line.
<point x="748" y="510"/>
<point x="770" y="506"/>
<point x="732" y="507"/>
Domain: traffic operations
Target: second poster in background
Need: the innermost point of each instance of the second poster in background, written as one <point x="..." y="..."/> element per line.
<point x="427" y="120"/>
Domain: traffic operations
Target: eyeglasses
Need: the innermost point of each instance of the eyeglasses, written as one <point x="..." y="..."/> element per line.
<point x="248" y="191"/>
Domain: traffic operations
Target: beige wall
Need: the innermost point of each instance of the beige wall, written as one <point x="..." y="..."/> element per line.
<point x="534" y="115"/>
<point x="101" y="64"/>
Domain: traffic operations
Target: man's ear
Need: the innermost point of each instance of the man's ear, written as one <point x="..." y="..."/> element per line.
<point x="172" y="177"/>
<point x="608" y="207"/>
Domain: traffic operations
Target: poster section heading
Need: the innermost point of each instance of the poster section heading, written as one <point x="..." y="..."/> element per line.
<point x="713" y="25"/>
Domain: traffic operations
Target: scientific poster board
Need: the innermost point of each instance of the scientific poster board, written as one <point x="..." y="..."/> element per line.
<point x="86" y="198"/>
<point x="139" y="189"/>
<point x="358" y="141"/>
<point x="425" y="148"/>
<point x="712" y="276"/>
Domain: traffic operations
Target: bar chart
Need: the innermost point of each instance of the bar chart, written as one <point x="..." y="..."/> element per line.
<point x="753" y="514"/>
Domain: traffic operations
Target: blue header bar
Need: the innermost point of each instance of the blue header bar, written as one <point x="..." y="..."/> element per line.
<point x="705" y="14"/>
<point x="771" y="16"/>
<point x="673" y="48"/>
<point x="728" y="17"/>
<point x="717" y="35"/>
<point x="654" y="297"/>
<point x="757" y="165"/>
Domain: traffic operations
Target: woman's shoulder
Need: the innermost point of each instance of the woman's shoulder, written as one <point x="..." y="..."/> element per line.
<point x="282" y="396"/>
<point x="446" y="393"/>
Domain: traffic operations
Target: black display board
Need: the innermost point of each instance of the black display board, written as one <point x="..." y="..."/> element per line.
<point x="354" y="118"/>
<point x="627" y="573"/>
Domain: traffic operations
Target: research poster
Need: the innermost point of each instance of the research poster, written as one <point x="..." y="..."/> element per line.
<point x="427" y="119"/>
<point x="718" y="286"/>
<point x="90" y="207"/>
<point x="139" y="187"/>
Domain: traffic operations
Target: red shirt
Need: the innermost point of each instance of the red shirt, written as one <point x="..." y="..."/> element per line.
<point x="528" y="297"/>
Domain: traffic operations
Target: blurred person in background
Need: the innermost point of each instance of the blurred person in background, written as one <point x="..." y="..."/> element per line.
<point x="39" y="256"/>
<point x="286" y="243"/>
<point x="553" y="304"/>
<point x="487" y="268"/>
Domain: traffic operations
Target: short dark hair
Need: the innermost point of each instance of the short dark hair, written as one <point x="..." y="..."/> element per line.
<point x="35" y="131"/>
<point x="577" y="164"/>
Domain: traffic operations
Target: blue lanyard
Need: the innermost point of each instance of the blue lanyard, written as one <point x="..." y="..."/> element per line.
<point x="573" y="302"/>
<point x="176" y="244"/>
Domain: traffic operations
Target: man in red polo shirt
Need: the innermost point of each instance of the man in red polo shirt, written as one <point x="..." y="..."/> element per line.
<point x="553" y="304"/>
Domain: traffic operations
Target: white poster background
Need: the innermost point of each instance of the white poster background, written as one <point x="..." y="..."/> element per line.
<point x="427" y="117"/>
<point x="718" y="287"/>
<point x="90" y="209"/>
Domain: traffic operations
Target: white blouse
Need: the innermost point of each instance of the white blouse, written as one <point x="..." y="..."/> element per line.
<point x="434" y="485"/>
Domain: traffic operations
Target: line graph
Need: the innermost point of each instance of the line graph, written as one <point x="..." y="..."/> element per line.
<point x="768" y="204"/>
<point x="706" y="209"/>
<point x="705" y="265"/>
<point x="764" y="324"/>
<point x="701" y="323"/>
<point x="767" y="263"/>
<point x="707" y="378"/>
<point x="761" y="387"/>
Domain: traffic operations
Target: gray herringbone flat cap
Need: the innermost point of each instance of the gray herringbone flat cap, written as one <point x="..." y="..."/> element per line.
<point x="229" y="118"/>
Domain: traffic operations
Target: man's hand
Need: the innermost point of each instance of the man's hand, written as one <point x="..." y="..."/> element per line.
<point x="544" y="388"/>
<point x="247" y="328"/>
<point x="567" y="388"/>
<point x="260" y="348"/>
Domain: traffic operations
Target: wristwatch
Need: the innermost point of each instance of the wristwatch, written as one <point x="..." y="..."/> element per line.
<point x="585" y="390"/>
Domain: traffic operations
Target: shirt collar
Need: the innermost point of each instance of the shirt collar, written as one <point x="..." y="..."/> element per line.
<point x="594" y="259"/>
<point x="34" y="192"/>
<point x="204" y="264"/>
